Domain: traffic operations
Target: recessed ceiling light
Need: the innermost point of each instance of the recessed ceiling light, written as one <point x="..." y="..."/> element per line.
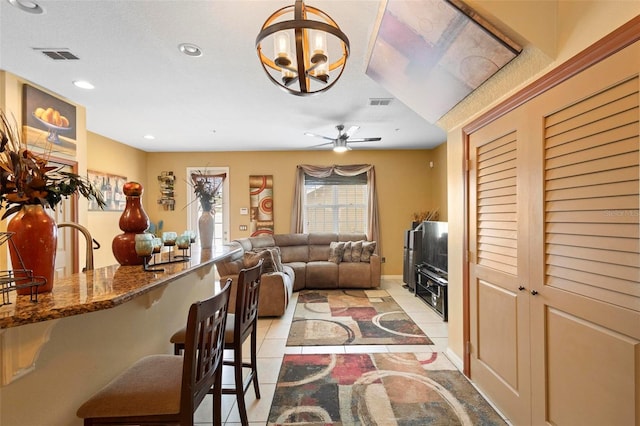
<point x="149" y="137"/>
<point x="190" y="49"/>
<point x="27" y="6"/>
<point x="83" y="84"/>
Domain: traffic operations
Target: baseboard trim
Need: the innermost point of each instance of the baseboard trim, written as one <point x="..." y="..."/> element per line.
<point x="455" y="359"/>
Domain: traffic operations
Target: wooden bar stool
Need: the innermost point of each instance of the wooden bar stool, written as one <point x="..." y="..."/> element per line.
<point x="167" y="389"/>
<point x="240" y="325"/>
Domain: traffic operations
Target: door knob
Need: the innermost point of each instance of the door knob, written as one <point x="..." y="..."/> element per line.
<point x="534" y="292"/>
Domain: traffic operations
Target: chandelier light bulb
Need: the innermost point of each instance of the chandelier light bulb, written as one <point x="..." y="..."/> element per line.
<point x="319" y="42"/>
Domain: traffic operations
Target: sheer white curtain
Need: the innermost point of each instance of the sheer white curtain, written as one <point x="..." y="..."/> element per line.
<point x="373" y="227"/>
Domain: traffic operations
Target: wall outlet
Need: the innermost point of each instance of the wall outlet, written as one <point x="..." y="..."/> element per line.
<point x="243" y="227"/>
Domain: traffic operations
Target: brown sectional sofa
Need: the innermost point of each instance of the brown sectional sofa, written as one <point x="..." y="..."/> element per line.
<point x="304" y="264"/>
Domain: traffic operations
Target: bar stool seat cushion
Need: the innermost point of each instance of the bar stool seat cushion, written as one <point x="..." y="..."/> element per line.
<point x="151" y="386"/>
<point x="180" y="335"/>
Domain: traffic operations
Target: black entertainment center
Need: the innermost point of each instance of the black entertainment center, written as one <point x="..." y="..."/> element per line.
<point x="429" y="278"/>
<point x="431" y="286"/>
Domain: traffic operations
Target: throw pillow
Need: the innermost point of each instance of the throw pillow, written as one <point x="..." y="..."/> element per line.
<point x="368" y="247"/>
<point x="336" y="251"/>
<point x="356" y="251"/>
<point x="346" y="257"/>
<point x="251" y="258"/>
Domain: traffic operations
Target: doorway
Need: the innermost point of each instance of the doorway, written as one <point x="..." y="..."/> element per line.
<point x="221" y="216"/>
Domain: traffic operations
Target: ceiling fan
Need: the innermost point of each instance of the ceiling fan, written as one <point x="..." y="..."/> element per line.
<point x="340" y="143"/>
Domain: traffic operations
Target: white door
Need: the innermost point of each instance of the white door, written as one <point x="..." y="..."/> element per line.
<point x="67" y="250"/>
<point x="221" y="216"/>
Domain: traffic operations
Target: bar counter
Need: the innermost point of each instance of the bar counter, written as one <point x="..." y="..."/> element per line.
<point x="92" y="326"/>
<point x="102" y="288"/>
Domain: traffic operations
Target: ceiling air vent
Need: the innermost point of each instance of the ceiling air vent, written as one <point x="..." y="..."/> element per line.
<point x="380" y="101"/>
<point x="58" y="54"/>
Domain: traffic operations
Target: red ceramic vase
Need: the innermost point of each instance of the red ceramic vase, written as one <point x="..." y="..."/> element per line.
<point x="134" y="220"/>
<point x="34" y="241"/>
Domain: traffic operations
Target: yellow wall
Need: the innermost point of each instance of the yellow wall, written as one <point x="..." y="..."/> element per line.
<point x="405" y="185"/>
<point x="455" y="186"/>
<point x="438" y="179"/>
<point x="108" y="156"/>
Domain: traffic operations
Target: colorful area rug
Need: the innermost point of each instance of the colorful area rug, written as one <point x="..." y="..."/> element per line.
<point x="376" y="389"/>
<point x="352" y="317"/>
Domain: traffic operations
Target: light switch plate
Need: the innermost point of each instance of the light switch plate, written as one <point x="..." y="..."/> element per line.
<point x="243" y="227"/>
<point x="244" y="210"/>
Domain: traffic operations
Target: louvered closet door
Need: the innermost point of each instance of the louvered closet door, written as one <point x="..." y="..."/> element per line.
<point x="586" y="317"/>
<point x="498" y="257"/>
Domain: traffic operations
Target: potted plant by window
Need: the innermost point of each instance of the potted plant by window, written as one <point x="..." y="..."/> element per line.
<point x="207" y="190"/>
<point x="28" y="185"/>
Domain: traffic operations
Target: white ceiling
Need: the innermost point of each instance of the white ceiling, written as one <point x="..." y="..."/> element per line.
<point x="221" y="101"/>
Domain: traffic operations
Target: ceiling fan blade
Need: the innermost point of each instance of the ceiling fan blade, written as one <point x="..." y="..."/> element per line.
<point x="364" y="140"/>
<point x="319" y="136"/>
<point x="322" y="144"/>
<point x="351" y="131"/>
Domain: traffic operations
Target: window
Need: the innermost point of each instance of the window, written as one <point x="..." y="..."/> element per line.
<point x="339" y="198"/>
<point x="335" y="203"/>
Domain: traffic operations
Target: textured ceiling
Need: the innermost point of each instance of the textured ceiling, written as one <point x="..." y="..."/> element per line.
<point x="221" y="101"/>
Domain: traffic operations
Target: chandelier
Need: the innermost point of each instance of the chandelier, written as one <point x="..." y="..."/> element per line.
<point x="295" y="52"/>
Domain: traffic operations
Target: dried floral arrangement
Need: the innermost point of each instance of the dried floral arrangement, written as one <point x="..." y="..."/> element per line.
<point x="421" y="216"/>
<point x="207" y="189"/>
<point x="26" y="178"/>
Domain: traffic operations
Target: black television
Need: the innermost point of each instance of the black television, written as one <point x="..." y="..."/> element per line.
<point x="434" y="245"/>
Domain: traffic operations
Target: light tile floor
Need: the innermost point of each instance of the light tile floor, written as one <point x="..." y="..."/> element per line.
<point x="272" y="340"/>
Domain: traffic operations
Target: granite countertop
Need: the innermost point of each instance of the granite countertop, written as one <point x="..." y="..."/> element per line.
<point x="101" y="288"/>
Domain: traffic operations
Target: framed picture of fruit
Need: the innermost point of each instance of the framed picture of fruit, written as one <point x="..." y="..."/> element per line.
<point x="49" y="123"/>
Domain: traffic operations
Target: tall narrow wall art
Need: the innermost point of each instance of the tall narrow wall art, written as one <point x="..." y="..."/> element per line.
<point x="261" y="195"/>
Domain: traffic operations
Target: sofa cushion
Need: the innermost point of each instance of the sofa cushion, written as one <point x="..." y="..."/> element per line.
<point x="368" y="247"/>
<point x="262" y="241"/>
<point x="322" y="274"/>
<point x="319" y="245"/>
<point x="336" y="251"/>
<point x="354" y="275"/>
<point x="293" y="247"/>
<point x="299" y="274"/>
<point x="352" y="236"/>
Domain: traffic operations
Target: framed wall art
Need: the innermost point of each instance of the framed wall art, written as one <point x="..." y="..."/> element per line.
<point x="261" y="205"/>
<point x="49" y="123"/>
<point x="111" y="187"/>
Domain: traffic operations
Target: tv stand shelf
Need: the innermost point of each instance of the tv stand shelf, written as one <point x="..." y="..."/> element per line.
<point x="431" y="287"/>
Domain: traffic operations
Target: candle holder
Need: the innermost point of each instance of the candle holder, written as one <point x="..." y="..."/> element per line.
<point x="183" y="243"/>
<point x="145" y="265"/>
<point x="144" y="245"/>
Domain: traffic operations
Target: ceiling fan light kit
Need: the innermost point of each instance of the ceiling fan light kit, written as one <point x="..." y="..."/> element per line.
<point x="340" y="146"/>
<point x="302" y="38"/>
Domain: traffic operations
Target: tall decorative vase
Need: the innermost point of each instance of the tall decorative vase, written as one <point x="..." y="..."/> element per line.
<point x="35" y="237"/>
<point x="134" y="220"/>
<point x="205" y="229"/>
